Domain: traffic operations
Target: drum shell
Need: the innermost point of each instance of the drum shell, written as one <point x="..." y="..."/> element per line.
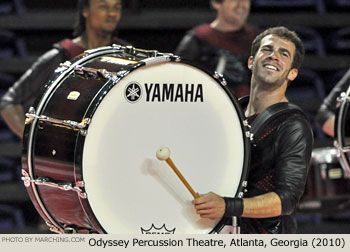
<point x="64" y="206"/>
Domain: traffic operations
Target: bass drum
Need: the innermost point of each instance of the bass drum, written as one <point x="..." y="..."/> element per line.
<point x="327" y="191"/>
<point x="90" y="143"/>
<point x="342" y="131"/>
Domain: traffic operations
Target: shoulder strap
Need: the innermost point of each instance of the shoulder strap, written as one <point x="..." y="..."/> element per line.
<point x="271" y="113"/>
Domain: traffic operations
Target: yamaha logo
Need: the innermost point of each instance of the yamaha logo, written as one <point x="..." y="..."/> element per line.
<point x="169" y="92"/>
<point x="164" y="92"/>
<point x="133" y="92"/>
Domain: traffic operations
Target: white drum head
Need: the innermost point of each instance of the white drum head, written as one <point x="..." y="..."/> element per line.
<point x="128" y="188"/>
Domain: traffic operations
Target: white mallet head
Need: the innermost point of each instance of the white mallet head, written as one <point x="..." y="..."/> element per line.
<point x="163" y="153"/>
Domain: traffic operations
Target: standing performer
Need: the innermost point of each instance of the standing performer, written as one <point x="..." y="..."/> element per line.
<point x="96" y="24"/>
<point x="223" y="46"/>
<point x="326" y="113"/>
<point x="280" y="157"/>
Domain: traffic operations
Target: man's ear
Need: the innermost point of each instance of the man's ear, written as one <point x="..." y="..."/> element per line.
<point x="215" y="5"/>
<point x="293" y="73"/>
<point x="250" y="62"/>
<point x="85" y="12"/>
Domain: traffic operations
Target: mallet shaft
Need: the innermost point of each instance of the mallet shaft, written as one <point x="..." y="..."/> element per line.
<point x="184" y="181"/>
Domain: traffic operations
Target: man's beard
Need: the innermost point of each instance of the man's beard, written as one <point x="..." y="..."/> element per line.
<point x="270" y="81"/>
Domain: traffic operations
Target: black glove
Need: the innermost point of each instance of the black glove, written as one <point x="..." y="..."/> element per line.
<point x="234" y="207"/>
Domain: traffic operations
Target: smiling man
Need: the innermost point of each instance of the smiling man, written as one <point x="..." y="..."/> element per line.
<point x="224" y="44"/>
<point x="97" y="21"/>
<point x="281" y="154"/>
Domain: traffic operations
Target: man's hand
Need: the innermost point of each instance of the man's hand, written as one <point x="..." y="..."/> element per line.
<point x="14" y="118"/>
<point x="210" y="206"/>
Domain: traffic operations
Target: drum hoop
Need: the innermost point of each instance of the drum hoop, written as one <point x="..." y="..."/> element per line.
<point x="339" y="133"/>
<point x="42" y="102"/>
<point x="218" y="78"/>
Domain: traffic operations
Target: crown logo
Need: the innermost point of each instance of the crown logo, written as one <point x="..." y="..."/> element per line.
<point x="154" y="230"/>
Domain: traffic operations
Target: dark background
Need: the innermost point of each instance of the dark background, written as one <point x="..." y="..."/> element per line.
<point x="158" y="24"/>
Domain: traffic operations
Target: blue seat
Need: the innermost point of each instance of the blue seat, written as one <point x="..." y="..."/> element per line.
<point x="11" y="45"/>
<point x="332" y="79"/>
<point x="287" y="4"/>
<point x="11" y="217"/>
<point x="341" y="3"/>
<point x="308" y="91"/>
<point x="308" y="84"/>
<point x="312" y="40"/>
<point x="12" y="6"/>
<point x="9" y="169"/>
<point x="5" y="133"/>
<point x="6" y="80"/>
<point x="339" y="40"/>
<point x="318" y="133"/>
<point x="338" y="4"/>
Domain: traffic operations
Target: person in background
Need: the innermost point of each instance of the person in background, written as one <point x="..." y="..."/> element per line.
<point x="325" y="117"/>
<point x="223" y="45"/>
<point x="280" y="158"/>
<point x="96" y="25"/>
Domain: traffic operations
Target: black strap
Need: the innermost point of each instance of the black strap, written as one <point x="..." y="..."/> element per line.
<point x="271" y="113"/>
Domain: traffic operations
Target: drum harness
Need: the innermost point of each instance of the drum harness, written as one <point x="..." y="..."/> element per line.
<point x="270" y="116"/>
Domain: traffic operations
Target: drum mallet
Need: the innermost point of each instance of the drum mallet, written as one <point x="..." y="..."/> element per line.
<point x="164" y="154"/>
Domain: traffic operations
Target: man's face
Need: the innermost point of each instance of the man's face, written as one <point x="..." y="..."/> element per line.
<point x="273" y="61"/>
<point x="233" y="11"/>
<point x="103" y="15"/>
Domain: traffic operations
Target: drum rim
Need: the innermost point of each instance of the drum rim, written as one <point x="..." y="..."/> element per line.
<point x="339" y="132"/>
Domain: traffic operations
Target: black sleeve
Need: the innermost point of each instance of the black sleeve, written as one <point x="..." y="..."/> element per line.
<point x="293" y="147"/>
<point x="189" y="46"/>
<point x="25" y="90"/>
<point x="328" y="107"/>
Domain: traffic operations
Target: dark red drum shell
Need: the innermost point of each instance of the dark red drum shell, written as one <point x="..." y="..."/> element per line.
<point x="54" y="151"/>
